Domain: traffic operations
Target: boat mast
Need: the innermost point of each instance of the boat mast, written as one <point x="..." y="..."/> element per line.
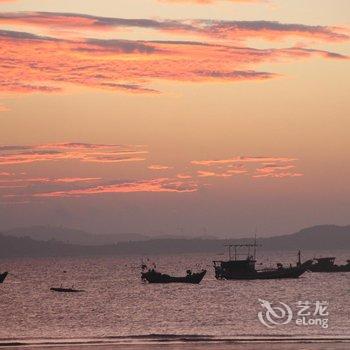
<point x="255" y="245"/>
<point x="235" y="246"/>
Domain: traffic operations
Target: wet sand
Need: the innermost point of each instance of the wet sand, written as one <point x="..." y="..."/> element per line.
<point x="229" y="345"/>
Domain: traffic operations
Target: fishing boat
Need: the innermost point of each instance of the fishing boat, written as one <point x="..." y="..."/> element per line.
<point x="3" y="276"/>
<point x="328" y="265"/>
<point x="153" y="276"/>
<point x="66" y="290"/>
<point x="244" y="269"/>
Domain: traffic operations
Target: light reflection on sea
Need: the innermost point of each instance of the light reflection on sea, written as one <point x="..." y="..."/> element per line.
<point x="116" y="304"/>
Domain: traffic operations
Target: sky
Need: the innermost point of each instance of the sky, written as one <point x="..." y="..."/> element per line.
<point x="180" y="117"/>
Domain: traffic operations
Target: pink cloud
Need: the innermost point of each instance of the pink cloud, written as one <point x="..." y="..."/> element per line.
<point x="159" y="167"/>
<point x="120" y="65"/>
<point x="184" y="176"/>
<point x="256" y="167"/>
<point x="223" y="174"/>
<point x="242" y="159"/>
<point x="153" y="185"/>
<point x="278" y="175"/>
<point x="50" y="180"/>
<point x="230" y="30"/>
<point x="71" y="151"/>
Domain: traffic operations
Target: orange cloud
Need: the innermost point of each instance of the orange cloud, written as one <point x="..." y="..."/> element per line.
<point x="121" y="65"/>
<point x="21" y="186"/>
<point x="257" y="167"/>
<point x="276" y="171"/>
<point x="242" y="159"/>
<point x="159" y="167"/>
<point x="184" y="176"/>
<point x="227" y="173"/>
<point x="279" y="175"/>
<point x="224" y="29"/>
<point x="50" y="180"/>
<point x="71" y="151"/>
<point x="154" y="185"/>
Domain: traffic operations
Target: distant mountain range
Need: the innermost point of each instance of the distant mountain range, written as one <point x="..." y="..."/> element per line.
<point x="72" y="236"/>
<point x="48" y="242"/>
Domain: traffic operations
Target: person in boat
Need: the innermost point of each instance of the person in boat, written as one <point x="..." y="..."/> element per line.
<point x="189" y="272"/>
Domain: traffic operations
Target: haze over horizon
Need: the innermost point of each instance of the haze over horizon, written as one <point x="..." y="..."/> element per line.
<point x="175" y="117"/>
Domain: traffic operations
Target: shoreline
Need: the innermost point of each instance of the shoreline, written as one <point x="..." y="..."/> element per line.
<point x="173" y="341"/>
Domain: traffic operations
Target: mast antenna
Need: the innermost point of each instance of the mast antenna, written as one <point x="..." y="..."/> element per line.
<point x="255" y="243"/>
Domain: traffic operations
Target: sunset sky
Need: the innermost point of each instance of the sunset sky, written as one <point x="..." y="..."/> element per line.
<point x="182" y="117"/>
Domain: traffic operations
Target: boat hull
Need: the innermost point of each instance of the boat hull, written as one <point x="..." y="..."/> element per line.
<point x="342" y="268"/>
<point x="265" y="275"/>
<point x="3" y="276"/>
<point x="156" y="277"/>
<point x="252" y="274"/>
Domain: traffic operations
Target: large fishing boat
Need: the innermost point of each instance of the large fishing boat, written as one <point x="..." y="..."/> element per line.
<point x="3" y="276"/>
<point x="328" y="265"/>
<point x="244" y="269"/>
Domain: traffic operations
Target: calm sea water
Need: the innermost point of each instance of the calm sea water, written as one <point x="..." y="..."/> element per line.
<point x="117" y="307"/>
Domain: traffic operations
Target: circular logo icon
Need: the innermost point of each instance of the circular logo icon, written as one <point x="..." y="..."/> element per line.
<point x="272" y="316"/>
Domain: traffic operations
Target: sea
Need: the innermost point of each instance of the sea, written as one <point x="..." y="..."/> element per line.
<point x="117" y="310"/>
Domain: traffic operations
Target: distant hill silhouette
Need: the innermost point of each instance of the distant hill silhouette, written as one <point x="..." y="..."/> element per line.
<point x="313" y="238"/>
<point x="73" y="236"/>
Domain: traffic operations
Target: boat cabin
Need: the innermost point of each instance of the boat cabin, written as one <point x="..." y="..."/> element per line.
<point x="236" y="265"/>
<point x="329" y="261"/>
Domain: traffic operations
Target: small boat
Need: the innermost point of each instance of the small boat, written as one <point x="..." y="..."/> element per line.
<point x="244" y="269"/>
<point x="66" y="290"/>
<point x="328" y="265"/>
<point x="3" y="276"/>
<point x="152" y="276"/>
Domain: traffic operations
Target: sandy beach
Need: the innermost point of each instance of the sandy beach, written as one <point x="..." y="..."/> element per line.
<point x="304" y="345"/>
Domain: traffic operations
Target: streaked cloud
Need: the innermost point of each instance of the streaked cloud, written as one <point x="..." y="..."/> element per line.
<point x="184" y="176"/>
<point x="67" y="180"/>
<point x="84" y="152"/>
<point x="153" y="185"/>
<point x="159" y="167"/>
<point x="277" y="171"/>
<point x="242" y="159"/>
<point x="226" y="173"/>
<point x="255" y="167"/>
<point x="130" y="66"/>
<point x="232" y="30"/>
<point x="188" y="178"/>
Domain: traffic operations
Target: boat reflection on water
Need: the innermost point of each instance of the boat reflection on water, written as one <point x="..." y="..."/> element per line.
<point x="244" y="269"/>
